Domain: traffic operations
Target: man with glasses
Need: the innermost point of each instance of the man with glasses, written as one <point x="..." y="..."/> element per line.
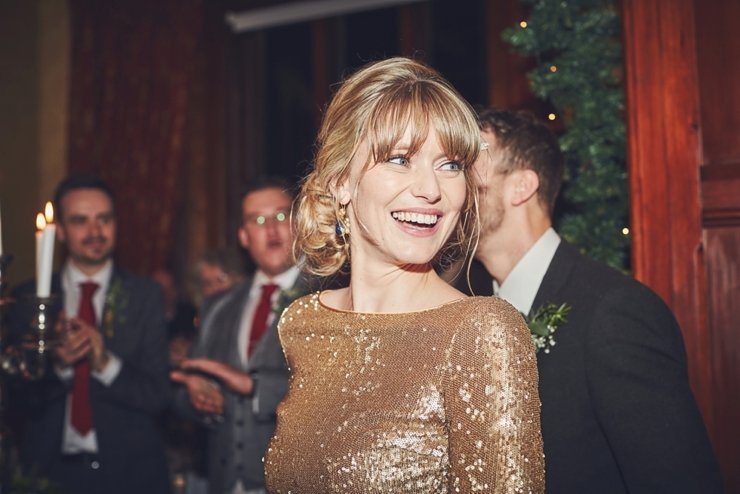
<point x="237" y="374"/>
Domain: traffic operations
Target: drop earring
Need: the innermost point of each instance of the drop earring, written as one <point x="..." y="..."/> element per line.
<point x="341" y="228"/>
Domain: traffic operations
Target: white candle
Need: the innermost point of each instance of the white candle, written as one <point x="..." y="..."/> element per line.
<point x="40" y="225"/>
<point x="43" y="286"/>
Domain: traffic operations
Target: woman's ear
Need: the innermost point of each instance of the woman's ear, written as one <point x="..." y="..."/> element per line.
<point x="525" y="185"/>
<point x="341" y="192"/>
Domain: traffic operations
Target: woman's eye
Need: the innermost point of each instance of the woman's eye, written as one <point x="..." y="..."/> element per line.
<point x="398" y="160"/>
<point x="452" y="166"/>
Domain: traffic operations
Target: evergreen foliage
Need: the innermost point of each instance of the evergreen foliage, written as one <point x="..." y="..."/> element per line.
<point x="577" y="48"/>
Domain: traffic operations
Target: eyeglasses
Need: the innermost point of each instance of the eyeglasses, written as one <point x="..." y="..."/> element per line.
<point x="262" y="219"/>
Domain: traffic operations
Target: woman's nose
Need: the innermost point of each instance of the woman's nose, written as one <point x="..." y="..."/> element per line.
<point x="426" y="184"/>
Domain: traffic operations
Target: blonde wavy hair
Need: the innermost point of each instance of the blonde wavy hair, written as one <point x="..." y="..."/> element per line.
<point x="377" y="104"/>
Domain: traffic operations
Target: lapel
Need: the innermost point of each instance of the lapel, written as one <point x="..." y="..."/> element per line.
<point x="557" y="274"/>
<point x="301" y="287"/>
<point x="231" y="320"/>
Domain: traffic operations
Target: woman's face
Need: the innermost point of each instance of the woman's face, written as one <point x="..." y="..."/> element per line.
<point x="403" y="209"/>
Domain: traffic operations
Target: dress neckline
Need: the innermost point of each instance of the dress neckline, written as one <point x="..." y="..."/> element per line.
<point x="360" y="313"/>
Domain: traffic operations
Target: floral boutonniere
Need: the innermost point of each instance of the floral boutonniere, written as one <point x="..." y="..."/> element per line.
<point x="116" y="301"/>
<point x="543" y="322"/>
<point x="286" y="297"/>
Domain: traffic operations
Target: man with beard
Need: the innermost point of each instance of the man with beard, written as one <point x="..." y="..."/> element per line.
<point x="618" y="415"/>
<point x="238" y="375"/>
<point x="90" y="422"/>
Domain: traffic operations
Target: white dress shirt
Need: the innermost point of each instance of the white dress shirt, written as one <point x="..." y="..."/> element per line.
<point x="523" y="282"/>
<point x="71" y="277"/>
<point x="284" y="280"/>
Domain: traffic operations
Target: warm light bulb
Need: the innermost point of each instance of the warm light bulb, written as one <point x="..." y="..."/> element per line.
<point x="625" y="231"/>
<point x="551" y="116"/>
<point x="523" y="24"/>
<point x="553" y="68"/>
<point x="49" y="212"/>
<point x="40" y="222"/>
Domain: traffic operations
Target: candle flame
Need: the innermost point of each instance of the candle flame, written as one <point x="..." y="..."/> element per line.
<point x="40" y="222"/>
<point x="49" y="213"/>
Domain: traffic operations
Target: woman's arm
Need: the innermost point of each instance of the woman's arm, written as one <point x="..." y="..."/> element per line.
<point x="493" y="406"/>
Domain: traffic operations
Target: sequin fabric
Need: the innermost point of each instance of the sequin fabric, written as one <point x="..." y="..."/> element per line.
<point x="433" y="401"/>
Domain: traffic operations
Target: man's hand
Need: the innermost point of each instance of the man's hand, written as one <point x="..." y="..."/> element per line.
<point x="204" y="395"/>
<point x="235" y="379"/>
<point x="73" y="345"/>
<point x="79" y="340"/>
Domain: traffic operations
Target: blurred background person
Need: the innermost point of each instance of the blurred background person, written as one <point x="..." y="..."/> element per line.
<point x="91" y="421"/>
<point x="216" y="271"/>
<point x="238" y="373"/>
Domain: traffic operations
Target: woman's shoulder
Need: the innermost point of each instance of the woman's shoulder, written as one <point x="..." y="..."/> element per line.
<point x="492" y="318"/>
<point x="494" y="307"/>
<point x="308" y="301"/>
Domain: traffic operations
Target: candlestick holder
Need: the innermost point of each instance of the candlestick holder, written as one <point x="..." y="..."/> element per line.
<point x="37" y="344"/>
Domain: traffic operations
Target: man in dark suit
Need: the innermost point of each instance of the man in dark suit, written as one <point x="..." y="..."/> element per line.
<point x="90" y="422"/>
<point x="617" y="412"/>
<point x="241" y="372"/>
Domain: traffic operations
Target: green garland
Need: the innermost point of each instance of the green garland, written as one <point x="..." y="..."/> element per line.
<point x="578" y="52"/>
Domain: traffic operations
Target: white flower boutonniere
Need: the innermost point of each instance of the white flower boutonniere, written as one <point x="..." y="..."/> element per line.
<point x="543" y="322"/>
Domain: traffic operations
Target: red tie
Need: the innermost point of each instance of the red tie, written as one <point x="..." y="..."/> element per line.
<point x="81" y="412"/>
<point x="259" y="322"/>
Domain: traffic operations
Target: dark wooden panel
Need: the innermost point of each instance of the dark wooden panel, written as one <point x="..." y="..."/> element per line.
<point x="723" y="300"/>
<point x="663" y="152"/>
<point x="718" y="48"/>
<point x="721" y="195"/>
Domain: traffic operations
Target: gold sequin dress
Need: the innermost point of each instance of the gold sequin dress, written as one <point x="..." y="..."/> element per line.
<point x="433" y="401"/>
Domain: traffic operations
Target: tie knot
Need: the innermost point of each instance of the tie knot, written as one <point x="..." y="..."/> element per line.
<point x="88" y="288"/>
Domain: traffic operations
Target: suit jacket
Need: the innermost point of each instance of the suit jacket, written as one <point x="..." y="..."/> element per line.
<point x="130" y="450"/>
<point x="617" y="412"/>
<point x="237" y="444"/>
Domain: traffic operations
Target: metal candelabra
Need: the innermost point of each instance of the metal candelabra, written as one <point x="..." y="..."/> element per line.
<point x="26" y="361"/>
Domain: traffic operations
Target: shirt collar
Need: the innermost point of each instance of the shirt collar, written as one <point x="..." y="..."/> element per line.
<point x="101" y="277"/>
<point x="523" y="282"/>
<point x="285" y="280"/>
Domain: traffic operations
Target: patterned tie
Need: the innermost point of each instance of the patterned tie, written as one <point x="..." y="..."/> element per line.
<point x="259" y="322"/>
<point x="81" y="412"/>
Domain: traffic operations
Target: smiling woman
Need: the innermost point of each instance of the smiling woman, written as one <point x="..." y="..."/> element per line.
<point x="399" y="382"/>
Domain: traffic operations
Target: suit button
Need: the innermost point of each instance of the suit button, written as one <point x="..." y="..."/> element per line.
<point x="239" y="445"/>
<point x="240" y="422"/>
<point x="94" y="465"/>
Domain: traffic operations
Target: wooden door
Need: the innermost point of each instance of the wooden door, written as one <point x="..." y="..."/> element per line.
<point x="683" y="110"/>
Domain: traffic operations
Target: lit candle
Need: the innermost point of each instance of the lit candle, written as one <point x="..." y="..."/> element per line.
<point x="43" y="285"/>
<point x="40" y="225"/>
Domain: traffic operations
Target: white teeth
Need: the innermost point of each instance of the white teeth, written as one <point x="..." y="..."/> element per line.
<point x="424" y="219"/>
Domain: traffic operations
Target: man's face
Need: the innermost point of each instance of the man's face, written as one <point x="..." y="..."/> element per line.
<point x="490" y="176"/>
<point x="213" y="280"/>
<point x="266" y="231"/>
<point x="87" y="227"/>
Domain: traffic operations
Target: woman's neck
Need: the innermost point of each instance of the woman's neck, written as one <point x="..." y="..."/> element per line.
<point x="395" y="289"/>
